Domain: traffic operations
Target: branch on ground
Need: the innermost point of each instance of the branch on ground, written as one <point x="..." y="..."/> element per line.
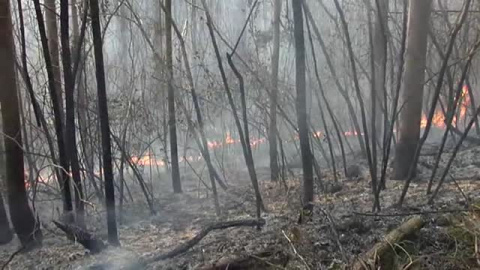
<point x="81" y="236"/>
<point x="182" y="248"/>
<point x="382" y="252"/>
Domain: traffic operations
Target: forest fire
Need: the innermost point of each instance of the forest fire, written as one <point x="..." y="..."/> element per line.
<point x="148" y="160"/>
<point x="438" y="121"/>
<point x="439" y="117"/>
<point x="40" y="179"/>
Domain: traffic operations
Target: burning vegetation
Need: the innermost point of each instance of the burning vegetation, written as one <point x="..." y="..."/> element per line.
<point x="439" y="118"/>
<point x="231" y="134"/>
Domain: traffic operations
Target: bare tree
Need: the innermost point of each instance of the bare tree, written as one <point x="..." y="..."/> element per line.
<point x="272" y="132"/>
<point x="247" y="153"/>
<point x="51" y="22"/>
<point x="301" y="105"/>
<point x="172" y="125"/>
<point x="380" y="63"/>
<point x="63" y="159"/>
<point x="71" y="141"/>
<point x="104" y="124"/>
<point x="342" y="90"/>
<point x="82" y="101"/>
<point x="22" y="217"/>
<point x="412" y="95"/>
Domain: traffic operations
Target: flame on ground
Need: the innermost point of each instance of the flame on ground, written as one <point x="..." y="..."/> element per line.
<point x="149" y="159"/>
<point x="439" y="118"/>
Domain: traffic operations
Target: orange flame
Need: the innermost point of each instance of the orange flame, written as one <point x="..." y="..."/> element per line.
<point x="317" y="134"/>
<point x="228" y="139"/>
<point x="44" y="179"/>
<point x="438" y="119"/>
<point x="147" y="160"/>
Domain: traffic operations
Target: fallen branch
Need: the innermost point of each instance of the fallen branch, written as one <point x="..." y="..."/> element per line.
<point x="81" y="236"/>
<point x="269" y="259"/>
<point x="415" y="213"/>
<point x="295" y="250"/>
<point x="192" y="242"/>
<point x="382" y="250"/>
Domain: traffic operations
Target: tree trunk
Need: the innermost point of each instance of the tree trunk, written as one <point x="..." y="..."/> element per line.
<point x="246" y="152"/>
<point x="412" y="96"/>
<point x="172" y="125"/>
<point x="301" y="104"/>
<point x="82" y="101"/>
<point x="380" y="62"/>
<point x="21" y="215"/>
<point x="57" y="111"/>
<point x="71" y="141"/>
<point x="272" y="131"/>
<point x="52" y="33"/>
<point x="6" y="234"/>
<point x="343" y="91"/>
<point x="104" y="125"/>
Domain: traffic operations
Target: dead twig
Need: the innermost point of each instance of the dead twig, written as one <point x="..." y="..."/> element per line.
<point x="335" y="233"/>
<point x="295" y="250"/>
<point x="460" y="190"/>
<point x="10" y="259"/>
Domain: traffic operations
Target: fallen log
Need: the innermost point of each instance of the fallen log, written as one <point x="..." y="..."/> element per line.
<point x="81" y="236"/>
<point x="182" y="248"/>
<point x="381" y="253"/>
<point x="269" y="259"/>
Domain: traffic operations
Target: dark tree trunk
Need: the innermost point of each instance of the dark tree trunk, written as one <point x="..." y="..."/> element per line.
<point x="246" y="142"/>
<point x="82" y="102"/>
<point x="172" y="125"/>
<point x="71" y="142"/>
<point x="200" y="139"/>
<point x="6" y="234"/>
<point x="36" y="107"/>
<point x="21" y="215"/>
<point x="65" y="179"/>
<point x="104" y="125"/>
<point x="272" y="131"/>
<point x="301" y="104"/>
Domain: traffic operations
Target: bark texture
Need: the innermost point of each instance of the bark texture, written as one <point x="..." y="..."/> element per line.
<point x="412" y="93"/>
<point x="301" y="104"/>
<point x="272" y="132"/>
<point x="104" y="124"/>
<point x="22" y="217"/>
<point x="172" y="122"/>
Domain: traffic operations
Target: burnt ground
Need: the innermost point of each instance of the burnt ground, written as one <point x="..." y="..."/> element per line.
<point x="447" y="241"/>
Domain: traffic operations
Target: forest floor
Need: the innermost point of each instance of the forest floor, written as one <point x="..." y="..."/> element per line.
<point x="341" y="227"/>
